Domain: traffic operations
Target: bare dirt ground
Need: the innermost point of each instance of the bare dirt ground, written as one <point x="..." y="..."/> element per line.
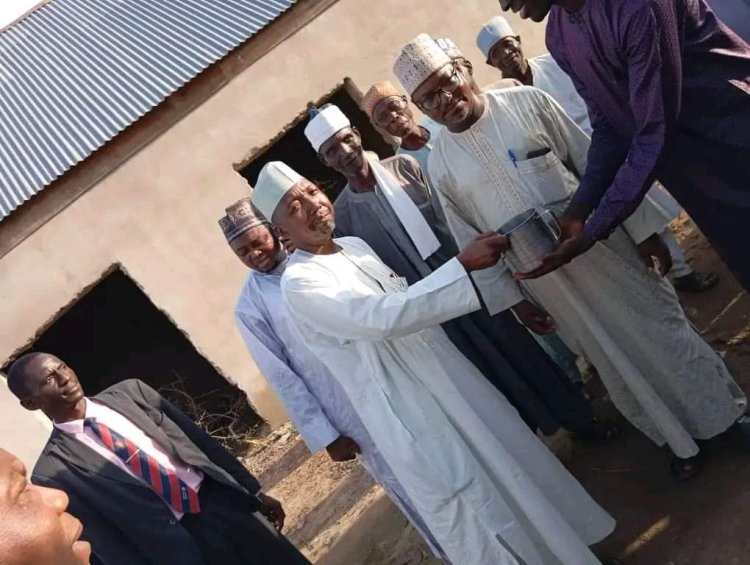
<point x="337" y="516"/>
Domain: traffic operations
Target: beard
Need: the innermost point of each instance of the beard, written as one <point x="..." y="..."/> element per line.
<point x="325" y="227"/>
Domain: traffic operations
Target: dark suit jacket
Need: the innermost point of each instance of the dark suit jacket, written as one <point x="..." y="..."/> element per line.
<point x="123" y="519"/>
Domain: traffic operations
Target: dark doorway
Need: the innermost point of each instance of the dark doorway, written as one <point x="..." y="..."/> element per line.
<point x="114" y="332"/>
<point x="293" y="148"/>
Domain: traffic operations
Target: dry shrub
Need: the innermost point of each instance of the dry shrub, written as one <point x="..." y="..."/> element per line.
<point x="230" y="420"/>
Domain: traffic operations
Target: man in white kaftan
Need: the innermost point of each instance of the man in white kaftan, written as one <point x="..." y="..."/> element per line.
<point x="489" y="491"/>
<point x="313" y="398"/>
<point x="503" y="50"/>
<point x="627" y="321"/>
<point x="388" y="110"/>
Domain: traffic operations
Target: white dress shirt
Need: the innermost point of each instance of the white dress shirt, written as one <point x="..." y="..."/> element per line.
<point x="117" y="422"/>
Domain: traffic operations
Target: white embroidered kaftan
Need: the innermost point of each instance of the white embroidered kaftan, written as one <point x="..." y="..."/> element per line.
<point x="313" y="398"/>
<point x="659" y="373"/>
<point x="488" y="489"/>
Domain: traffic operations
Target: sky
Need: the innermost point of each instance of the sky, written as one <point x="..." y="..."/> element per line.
<point x="11" y="10"/>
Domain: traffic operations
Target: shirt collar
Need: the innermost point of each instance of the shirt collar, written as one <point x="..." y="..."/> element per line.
<point x="76" y="426"/>
<point x="278" y="270"/>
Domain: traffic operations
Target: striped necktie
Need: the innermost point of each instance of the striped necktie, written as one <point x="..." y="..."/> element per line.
<point x="175" y="493"/>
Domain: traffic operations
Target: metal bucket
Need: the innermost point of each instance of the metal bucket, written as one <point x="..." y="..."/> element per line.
<point x="531" y="238"/>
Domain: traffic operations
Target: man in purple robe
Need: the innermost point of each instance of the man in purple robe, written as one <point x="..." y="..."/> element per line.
<point x="667" y="86"/>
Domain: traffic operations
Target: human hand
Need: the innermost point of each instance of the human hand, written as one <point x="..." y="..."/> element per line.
<point x="272" y="509"/>
<point x="483" y="251"/>
<point x="343" y="449"/>
<point x="570" y="227"/>
<point x="573" y="243"/>
<point x="564" y="254"/>
<point x="655" y="254"/>
<point x="534" y="318"/>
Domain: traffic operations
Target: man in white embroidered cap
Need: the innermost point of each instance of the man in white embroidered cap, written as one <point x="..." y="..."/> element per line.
<point x="390" y="206"/>
<point x="488" y="489"/>
<point x="313" y="398"/>
<point x="506" y="152"/>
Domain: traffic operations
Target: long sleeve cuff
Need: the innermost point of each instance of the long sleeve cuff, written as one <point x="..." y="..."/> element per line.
<point x="318" y="439"/>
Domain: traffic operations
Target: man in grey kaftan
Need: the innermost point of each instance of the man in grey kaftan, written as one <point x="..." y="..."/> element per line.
<point x="498" y="345"/>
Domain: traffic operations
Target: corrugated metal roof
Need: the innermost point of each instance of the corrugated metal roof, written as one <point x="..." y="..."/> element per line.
<point x="76" y="72"/>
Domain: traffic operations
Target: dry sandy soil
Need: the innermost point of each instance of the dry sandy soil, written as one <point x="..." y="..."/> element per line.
<point x="337" y="516"/>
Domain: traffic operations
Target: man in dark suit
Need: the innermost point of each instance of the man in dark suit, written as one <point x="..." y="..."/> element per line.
<point x="147" y="483"/>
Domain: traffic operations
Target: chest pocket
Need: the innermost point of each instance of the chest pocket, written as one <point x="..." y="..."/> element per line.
<point x="546" y="179"/>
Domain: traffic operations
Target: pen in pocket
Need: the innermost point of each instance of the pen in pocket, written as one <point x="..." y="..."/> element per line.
<point x="512" y="158"/>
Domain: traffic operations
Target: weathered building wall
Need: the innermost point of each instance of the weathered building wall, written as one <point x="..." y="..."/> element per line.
<point x="23" y="433"/>
<point x="157" y="213"/>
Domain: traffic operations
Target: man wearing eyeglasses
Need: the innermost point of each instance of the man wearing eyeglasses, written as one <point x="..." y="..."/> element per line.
<point x="389" y="111"/>
<point x="148" y="485"/>
<point x="390" y="206"/>
<point x="509" y="151"/>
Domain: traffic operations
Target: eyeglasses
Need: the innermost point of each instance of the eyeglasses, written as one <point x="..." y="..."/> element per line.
<point x="431" y="100"/>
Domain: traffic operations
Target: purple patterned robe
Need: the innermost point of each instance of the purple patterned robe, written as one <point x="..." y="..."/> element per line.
<point x="668" y="90"/>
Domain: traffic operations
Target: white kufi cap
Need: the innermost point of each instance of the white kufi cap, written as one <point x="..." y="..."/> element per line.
<point x="274" y="181"/>
<point x="325" y="124"/>
<point x="419" y="59"/>
<point x="493" y="31"/>
<point x="450" y="47"/>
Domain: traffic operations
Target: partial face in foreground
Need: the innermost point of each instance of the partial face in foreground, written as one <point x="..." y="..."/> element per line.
<point x="258" y="248"/>
<point x="34" y="527"/>
<point x="448" y="96"/>
<point x="535" y="10"/>
<point x="305" y="215"/>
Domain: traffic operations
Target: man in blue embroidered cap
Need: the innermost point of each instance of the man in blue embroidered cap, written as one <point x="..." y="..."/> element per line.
<point x="487" y="488"/>
<point x="314" y="400"/>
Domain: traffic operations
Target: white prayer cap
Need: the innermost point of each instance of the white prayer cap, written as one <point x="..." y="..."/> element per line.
<point x="450" y="47"/>
<point x="325" y="124"/>
<point x="274" y="181"/>
<point x="419" y="59"/>
<point x="493" y="31"/>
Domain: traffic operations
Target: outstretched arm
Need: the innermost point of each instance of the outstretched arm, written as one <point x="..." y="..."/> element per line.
<point x="339" y="312"/>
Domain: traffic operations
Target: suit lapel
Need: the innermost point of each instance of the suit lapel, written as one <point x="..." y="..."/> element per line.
<point x="144" y="417"/>
<point x="149" y="420"/>
<point x="86" y="459"/>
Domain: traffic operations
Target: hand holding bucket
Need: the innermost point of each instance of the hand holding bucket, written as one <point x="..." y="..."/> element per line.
<point x="532" y="235"/>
